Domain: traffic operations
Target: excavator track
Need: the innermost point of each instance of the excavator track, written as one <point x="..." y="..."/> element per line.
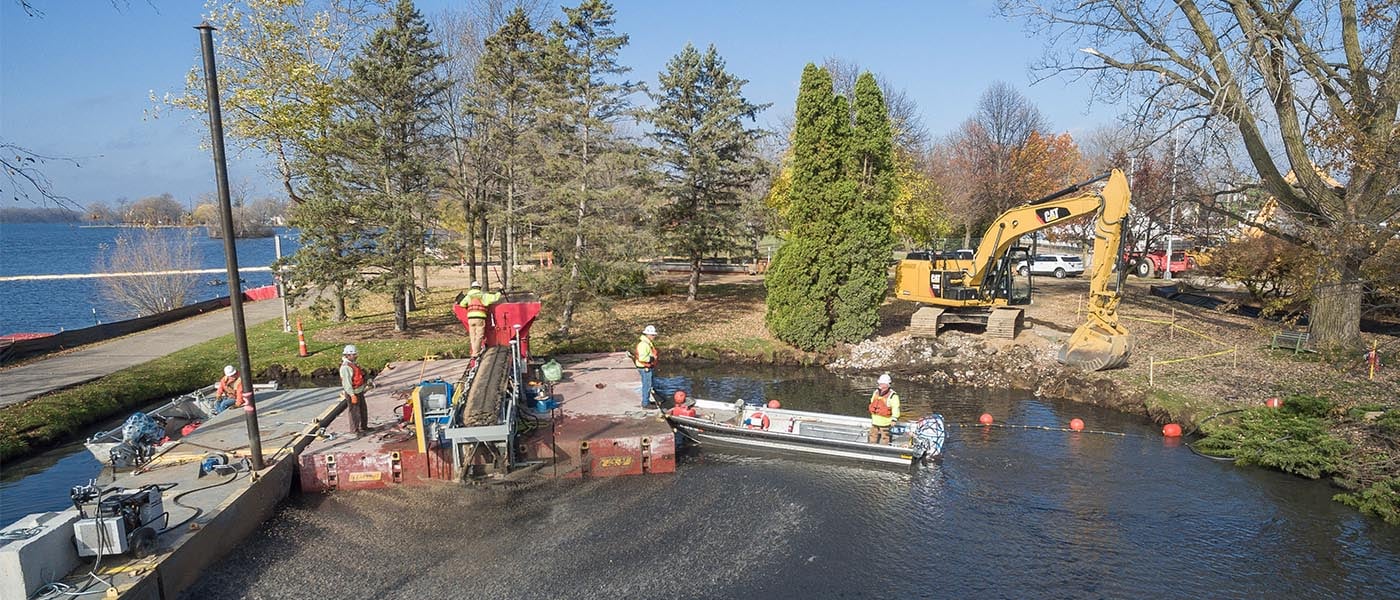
<point x="1004" y="323"/>
<point x="925" y="322"/>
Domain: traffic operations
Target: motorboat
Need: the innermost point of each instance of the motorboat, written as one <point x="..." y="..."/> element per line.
<point x="143" y="433"/>
<point x="741" y="426"/>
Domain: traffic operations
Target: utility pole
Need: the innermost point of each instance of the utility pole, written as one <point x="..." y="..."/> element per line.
<point x="235" y="291"/>
<point x="1171" y="213"/>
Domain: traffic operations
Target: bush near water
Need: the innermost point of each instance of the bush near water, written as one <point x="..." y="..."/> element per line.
<point x="1306" y="436"/>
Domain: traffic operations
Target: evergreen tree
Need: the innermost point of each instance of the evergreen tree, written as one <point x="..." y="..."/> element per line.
<point x="865" y="234"/>
<point x="594" y="225"/>
<point x="706" y="155"/>
<point x="328" y="257"/>
<point x="505" y="110"/>
<point x="805" y="275"/>
<point x="386" y="148"/>
<point x="829" y="278"/>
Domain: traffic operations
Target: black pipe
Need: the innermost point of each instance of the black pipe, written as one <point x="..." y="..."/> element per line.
<point x="235" y="293"/>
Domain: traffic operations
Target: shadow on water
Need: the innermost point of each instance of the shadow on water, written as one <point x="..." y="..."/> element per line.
<point x="1007" y="513"/>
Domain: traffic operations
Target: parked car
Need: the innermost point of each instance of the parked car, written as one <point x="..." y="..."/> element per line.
<point x="1059" y="265"/>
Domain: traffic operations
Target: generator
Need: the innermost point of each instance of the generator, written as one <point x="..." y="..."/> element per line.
<point x="434" y="399"/>
<point x="118" y="520"/>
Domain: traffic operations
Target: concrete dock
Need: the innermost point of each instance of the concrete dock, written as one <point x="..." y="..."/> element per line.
<point x="599" y="430"/>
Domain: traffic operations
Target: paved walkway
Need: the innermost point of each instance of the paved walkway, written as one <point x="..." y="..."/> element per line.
<point x="21" y="382"/>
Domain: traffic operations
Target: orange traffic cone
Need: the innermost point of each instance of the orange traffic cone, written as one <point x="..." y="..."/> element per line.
<point x="301" y="341"/>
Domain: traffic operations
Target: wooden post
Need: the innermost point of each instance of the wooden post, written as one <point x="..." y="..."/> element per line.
<point x="1151" y="371"/>
<point x="1171" y="335"/>
<point x="1235" y="359"/>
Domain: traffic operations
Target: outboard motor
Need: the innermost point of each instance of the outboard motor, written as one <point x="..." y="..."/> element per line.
<point x="929" y="435"/>
<point x="140" y="434"/>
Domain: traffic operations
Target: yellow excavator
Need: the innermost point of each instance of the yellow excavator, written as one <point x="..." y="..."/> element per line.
<point x="985" y="289"/>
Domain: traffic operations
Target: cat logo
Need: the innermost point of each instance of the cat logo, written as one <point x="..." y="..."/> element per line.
<point x="1050" y="215"/>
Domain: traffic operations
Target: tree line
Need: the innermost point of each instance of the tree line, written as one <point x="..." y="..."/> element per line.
<point x="518" y="133"/>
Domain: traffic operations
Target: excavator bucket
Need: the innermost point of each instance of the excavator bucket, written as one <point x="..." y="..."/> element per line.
<point x="1094" y="348"/>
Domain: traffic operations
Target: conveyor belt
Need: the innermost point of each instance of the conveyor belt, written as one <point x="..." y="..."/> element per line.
<point x="483" y="400"/>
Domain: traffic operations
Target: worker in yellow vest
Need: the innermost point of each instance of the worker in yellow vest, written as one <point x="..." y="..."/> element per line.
<point x="476" y="302"/>
<point x="884" y="411"/>
<point x="645" y="360"/>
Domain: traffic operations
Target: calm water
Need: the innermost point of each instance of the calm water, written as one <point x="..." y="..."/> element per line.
<point x="1006" y="514"/>
<point x="56" y="248"/>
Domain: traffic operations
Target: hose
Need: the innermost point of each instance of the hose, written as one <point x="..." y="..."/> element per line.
<point x="1197" y="427"/>
<point x="197" y="511"/>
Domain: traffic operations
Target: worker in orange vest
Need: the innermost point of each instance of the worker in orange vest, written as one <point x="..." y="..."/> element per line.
<point x="477" y="302"/>
<point x="352" y="386"/>
<point x="229" y="391"/>
<point x="884" y="411"/>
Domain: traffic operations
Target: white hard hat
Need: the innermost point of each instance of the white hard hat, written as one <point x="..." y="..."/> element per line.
<point x="349" y="349"/>
<point x="476" y="284"/>
<point x="229" y="370"/>
<point x="884" y="379"/>
<point x="650" y="330"/>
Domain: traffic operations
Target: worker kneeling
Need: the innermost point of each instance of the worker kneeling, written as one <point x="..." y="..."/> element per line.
<point x="884" y="411"/>
<point x="685" y="407"/>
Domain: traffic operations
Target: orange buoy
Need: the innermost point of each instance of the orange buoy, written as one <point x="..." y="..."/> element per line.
<point x="1274" y="402"/>
<point x="1076" y="425"/>
<point x="774" y="404"/>
<point x="1171" y="430"/>
<point x="985" y="419"/>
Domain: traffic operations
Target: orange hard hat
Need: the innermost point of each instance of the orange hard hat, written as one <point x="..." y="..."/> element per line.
<point x="774" y="404"/>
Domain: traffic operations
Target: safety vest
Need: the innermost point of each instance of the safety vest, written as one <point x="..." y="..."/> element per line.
<point x="683" y="411"/>
<point x="884" y="409"/>
<point x="646" y="354"/>
<point x="357" y="377"/>
<point x="476" y="302"/>
<point x="232" y="385"/>
<point x="756" y="420"/>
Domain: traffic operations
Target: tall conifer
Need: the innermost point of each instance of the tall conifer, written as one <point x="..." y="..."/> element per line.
<point x="866" y="242"/>
<point x="386" y="149"/>
<point x="828" y="279"/>
<point x="804" y="275"/>
<point x="705" y="153"/>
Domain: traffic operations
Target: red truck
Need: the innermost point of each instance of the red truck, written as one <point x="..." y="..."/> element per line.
<point x="1154" y="262"/>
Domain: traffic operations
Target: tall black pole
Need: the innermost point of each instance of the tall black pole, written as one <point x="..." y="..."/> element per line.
<point x="235" y="291"/>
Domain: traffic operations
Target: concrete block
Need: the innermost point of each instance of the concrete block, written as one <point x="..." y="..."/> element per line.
<point x="47" y="555"/>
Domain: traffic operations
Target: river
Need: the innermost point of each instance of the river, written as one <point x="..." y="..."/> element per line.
<point x="1007" y="513"/>
<point x="49" y="306"/>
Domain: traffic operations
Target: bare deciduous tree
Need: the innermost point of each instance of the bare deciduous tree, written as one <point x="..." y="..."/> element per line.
<point x="1307" y="87"/>
<point x="147" y="269"/>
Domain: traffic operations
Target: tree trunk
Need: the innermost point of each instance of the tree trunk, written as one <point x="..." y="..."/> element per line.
<point x="400" y="308"/>
<point x="694" y="287"/>
<point x="410" y="293"/>
<point x="338" y="304"/>
<point x="508" y="248"/>
<point x="484" y="275"/>
<point x="1335" y="322"/>
<point x="424" y="285"/>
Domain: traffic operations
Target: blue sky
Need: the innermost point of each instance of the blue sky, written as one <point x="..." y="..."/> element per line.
<point x="77" y="81"/>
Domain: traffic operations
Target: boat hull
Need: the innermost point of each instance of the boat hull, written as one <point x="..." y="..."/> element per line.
<point x="796" y="433"/>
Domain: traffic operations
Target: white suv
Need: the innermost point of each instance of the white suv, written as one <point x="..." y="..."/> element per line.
<point x="1059" y="265"/>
